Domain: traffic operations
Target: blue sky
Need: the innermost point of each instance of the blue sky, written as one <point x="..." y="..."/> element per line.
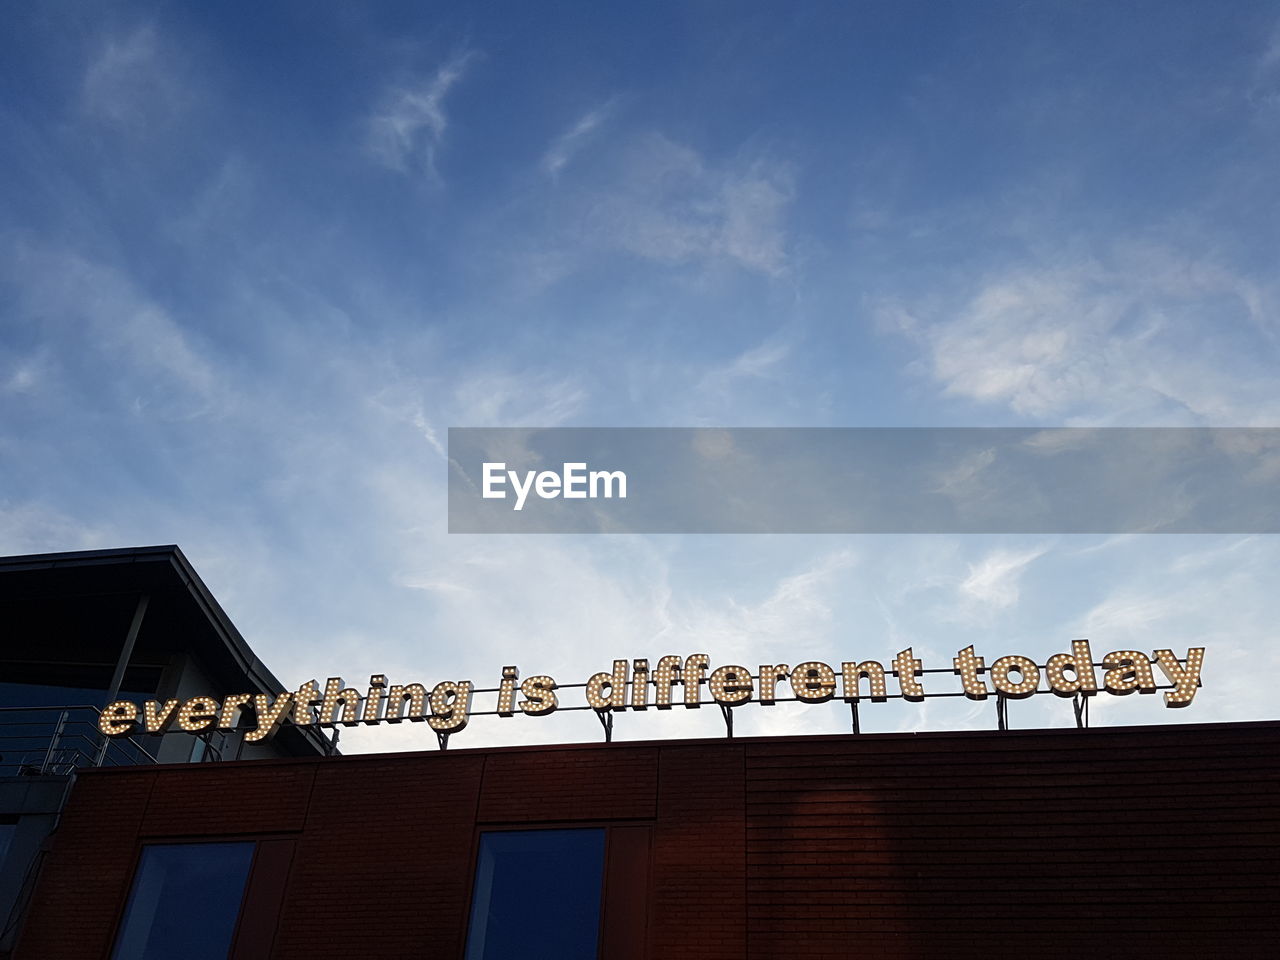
<point x="254" y="261"/>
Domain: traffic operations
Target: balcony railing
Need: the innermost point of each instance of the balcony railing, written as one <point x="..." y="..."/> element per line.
<point x="54" y="741"/>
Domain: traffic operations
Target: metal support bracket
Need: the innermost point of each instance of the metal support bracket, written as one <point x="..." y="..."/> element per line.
<point x="47" y="765"/>
<point x="442" y="737"/>
<point x="1002" y="711"/>
<point x="1080" y="704"/>
<point x="606" y="720"/>
<point x="122" y="664"/>
<point x="853" y="716"/>
<point x="726" y="711"/>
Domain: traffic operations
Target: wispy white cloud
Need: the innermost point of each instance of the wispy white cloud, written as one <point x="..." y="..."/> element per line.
<point x="134" y="80"/>
<point x="429" y="433"/>
<point x="94" y="312"/>
<point x="488" y="399"/>
<point x="36" y="527"/>
<point x="670" y="206"/>
<point x="699" y="222"/>
<point x="966" y="479"/>
<point x="566" y="146"/>
<point x="408" y="128"/>
<point x="1264" y="86"/>
<point x="1138" y="340"/>
<point x="759" y="362"/>
<point x="993" y="581"/>
<point x="26" y="374"/>
<point x="795" y="612"/>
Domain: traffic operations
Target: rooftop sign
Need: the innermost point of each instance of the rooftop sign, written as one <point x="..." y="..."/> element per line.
<point x="671" y="681"/>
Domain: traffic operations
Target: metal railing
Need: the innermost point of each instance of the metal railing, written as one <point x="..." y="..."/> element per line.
<point x="57" y="740"/>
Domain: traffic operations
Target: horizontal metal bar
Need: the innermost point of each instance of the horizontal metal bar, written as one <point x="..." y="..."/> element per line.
<point x="77" y="706"/>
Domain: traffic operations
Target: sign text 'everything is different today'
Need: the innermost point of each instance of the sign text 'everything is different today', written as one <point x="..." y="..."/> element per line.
<point x="634" y="685"/>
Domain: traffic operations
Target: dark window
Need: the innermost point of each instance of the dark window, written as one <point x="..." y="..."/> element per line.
<point x="185" y="901"/>
<point x="537" y="893"/>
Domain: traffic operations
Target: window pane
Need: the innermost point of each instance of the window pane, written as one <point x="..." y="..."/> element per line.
<point x="185" y="901"/>
<point x="537" y="893"/>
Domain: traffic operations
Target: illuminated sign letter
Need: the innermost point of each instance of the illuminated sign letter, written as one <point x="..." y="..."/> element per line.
<point x="335" y="693"/>
<point x="1028" y="672"/>
<point x="1130" y="671"/>
<point x="640" y="685"/>
<point x="813" y="681"/>
<point x="615" y="683"/>
<point x="664" y="675"/>
<point x="373" y="699"/>
<point x="695" y="668"/>
<point x="229" y="718"/>
<point x="730" y="684"/>
<point x="304" y="700"/>
<point x="967" y="666"/>
<point x="415" y="695"/>
<point x="540" y="694"/>
<point x="1080" y="662"/>
<point x="198" y="714"/>
<point x="1186" y="680"/>
<point x="852" y="673"/>
<point x="906" y="668"/>
<point x="450" y="706"/>
<point x="770" y="674"/>
<point x="157" y="719"/>
<point x="270" y="715"/>
<point x="507" y="691"/>
<point x="118" y="719"/>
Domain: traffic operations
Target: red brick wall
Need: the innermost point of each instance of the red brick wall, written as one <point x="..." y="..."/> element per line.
<point x="1161" y="841"/>
<point x="1137" y="842"/>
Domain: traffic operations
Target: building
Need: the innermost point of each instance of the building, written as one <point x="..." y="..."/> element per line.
<point x="1160" y="841"/>
<point x="1135" y="842"/>
<point x="81" y="630"/>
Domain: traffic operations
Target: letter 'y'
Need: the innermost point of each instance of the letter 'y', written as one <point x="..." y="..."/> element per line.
<point x="1185" y="679"/>
<point x="269" y="714"/>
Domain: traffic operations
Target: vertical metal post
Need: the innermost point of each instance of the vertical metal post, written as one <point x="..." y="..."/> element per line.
<point x="53" y="743"/>
<point x="727" y="712"/>
<point x="1002" y="711"/>
<point x="606" y="721"/>
<point x="853" y="711"/>
<point x="1080" y="704"/>
<point x="117" y="678"/>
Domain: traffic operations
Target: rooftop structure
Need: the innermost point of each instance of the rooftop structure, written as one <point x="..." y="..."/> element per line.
<point x="82" y="629"/>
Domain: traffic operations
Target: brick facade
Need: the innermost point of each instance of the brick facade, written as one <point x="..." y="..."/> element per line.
<point x="1159" y="841"/>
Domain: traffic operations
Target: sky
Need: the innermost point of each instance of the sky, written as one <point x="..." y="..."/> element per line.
<point x="255" y="260"/>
